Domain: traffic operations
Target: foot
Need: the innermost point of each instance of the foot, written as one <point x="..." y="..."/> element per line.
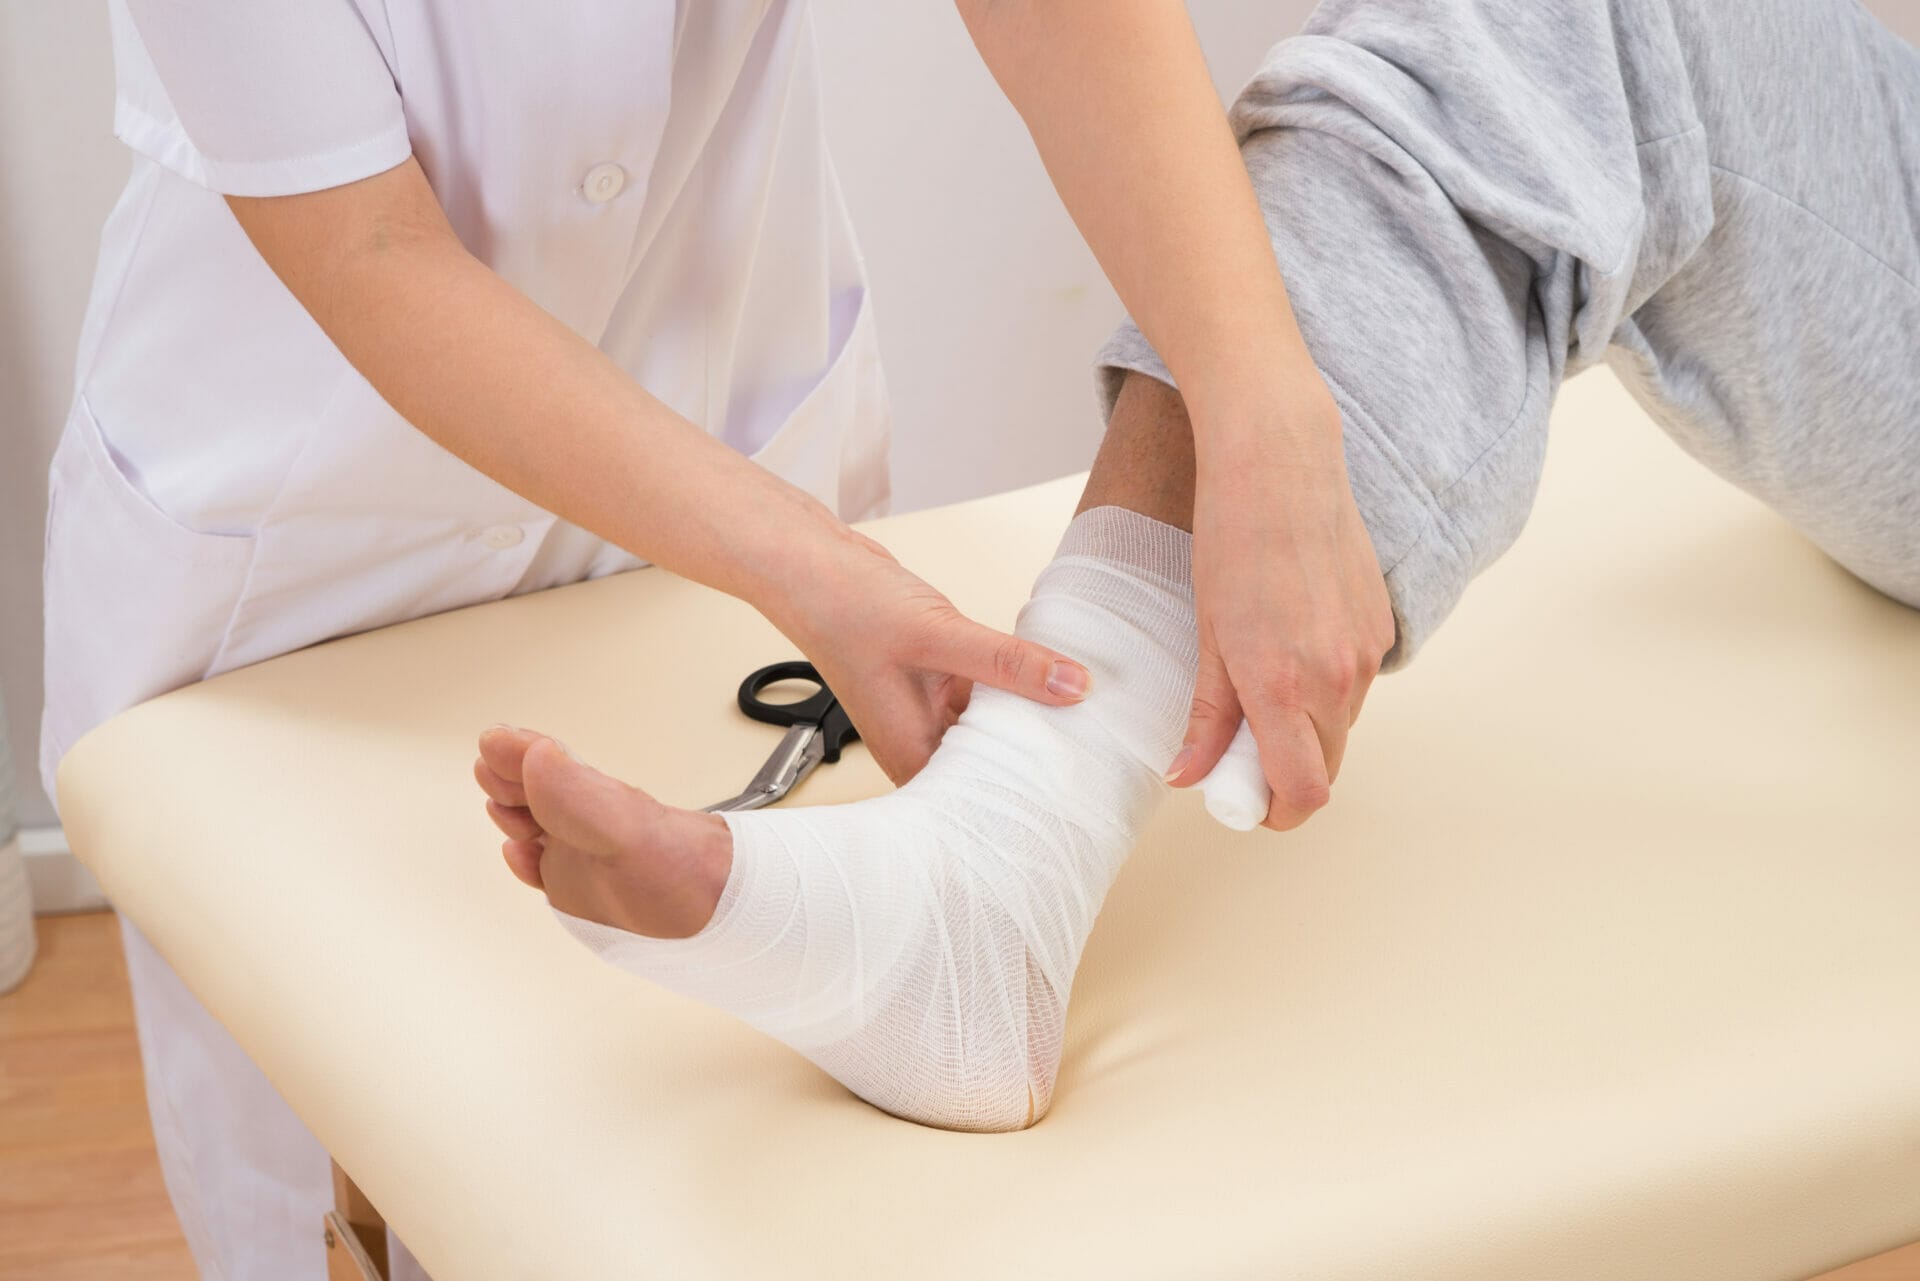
<point x="601" y="850"/>
<point x="920" y="946"/>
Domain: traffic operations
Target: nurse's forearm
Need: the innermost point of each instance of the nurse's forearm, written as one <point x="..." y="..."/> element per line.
<point x="1124" y="113"/>
<point x="479" y="368"/>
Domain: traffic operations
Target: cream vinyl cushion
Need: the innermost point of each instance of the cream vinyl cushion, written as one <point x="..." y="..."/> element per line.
<point x="1603" y="964"/>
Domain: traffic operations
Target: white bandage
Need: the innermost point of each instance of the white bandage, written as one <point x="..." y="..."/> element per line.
<point x="1236" y="791"/>
<point x="920" y="946"/>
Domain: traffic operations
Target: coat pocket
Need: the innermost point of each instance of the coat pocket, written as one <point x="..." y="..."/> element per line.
<point x="136" y="603"/>
<point x="834" y="444"/>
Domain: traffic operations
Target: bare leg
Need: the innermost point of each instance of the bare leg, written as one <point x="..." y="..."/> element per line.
<point x="1145" y="462"/>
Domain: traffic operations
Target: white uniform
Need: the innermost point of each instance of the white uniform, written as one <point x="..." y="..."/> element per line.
<point x="229" y="489"/>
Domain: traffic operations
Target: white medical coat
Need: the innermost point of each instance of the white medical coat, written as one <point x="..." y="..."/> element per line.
<point x="228" y="488"/>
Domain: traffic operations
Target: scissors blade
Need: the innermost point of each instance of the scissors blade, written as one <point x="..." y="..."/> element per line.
<point x="800" y="750"/>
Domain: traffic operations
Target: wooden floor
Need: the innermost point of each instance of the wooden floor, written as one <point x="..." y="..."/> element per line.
<point x="80" y="1191"/>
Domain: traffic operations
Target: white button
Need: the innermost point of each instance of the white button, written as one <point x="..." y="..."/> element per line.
<point x="604" y="182"/>
<point x="501" y="537"/>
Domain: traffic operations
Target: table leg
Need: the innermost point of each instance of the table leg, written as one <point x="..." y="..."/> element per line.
<point x="356" y="1235"/>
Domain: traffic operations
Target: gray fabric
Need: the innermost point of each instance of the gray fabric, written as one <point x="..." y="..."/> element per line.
<point x="1473" y="199"/>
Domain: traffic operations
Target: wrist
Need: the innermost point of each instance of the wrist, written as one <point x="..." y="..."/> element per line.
<point x="1272" y="399"/>
<point x="1297" y="428"/>
<point x="801" y="578"/>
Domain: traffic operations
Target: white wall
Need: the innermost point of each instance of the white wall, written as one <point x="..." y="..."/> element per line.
<point x="989" y="305"/>
<point x="60" y="170"/>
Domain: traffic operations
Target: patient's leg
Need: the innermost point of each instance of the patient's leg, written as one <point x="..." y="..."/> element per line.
<point x="920" y="947"/>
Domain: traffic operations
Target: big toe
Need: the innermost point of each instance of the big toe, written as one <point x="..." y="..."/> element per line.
<point x="504" y="750"/>
<point x="582" y="806"/>
<point x="646" y="868"/>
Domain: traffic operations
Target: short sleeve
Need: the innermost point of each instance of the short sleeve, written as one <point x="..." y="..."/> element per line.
<point x="250" y="98"/>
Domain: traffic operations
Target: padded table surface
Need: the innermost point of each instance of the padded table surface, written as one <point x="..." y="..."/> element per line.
<point x="1604" y="963"/>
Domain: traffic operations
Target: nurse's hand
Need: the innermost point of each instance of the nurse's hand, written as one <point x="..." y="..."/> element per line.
<point x="1291" y="605"/>
<point x="903" y="661"/>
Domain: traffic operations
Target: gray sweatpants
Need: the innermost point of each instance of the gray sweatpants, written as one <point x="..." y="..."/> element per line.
<point x="1472" y="199"/>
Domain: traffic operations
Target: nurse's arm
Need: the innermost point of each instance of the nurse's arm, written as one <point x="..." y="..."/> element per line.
<point x="1123" y="111"/>
<point x="478" y="367"/>
<point x="1292" y="609"/>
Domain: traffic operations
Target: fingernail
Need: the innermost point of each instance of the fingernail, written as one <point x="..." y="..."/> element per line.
<point x="1065" y="680"/>
<point x="568" y="750"/>
<point x="511" y="729"/>
<point x="1179" y="764"/>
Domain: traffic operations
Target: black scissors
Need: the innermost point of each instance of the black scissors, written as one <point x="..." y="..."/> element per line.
<point x="818" y="727"/>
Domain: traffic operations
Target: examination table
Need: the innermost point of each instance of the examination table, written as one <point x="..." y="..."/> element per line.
<point x="1603" y="965"/>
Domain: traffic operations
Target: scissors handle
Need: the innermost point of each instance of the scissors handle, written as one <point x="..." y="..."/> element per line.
<point x="820" y="708"/>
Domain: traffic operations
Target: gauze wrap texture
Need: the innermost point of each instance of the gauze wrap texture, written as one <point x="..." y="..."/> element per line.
<point x="920" y="947"/>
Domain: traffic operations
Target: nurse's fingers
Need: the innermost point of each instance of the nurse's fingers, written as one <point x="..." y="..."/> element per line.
<point x="523" y="859"/>
<point x="1332" y="728"/>
<point x="514" y="821"/>
<point x="980" y="654"/>
<point x="1294" y="761"/>
<point x="1211" y="724"/>
<point x="500" y="790"/>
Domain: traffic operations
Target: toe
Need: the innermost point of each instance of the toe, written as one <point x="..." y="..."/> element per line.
<point x="615" y="855"/>
<point x="500" y="790"/>
<point x="504" y="748"/>
<point x="582" y="806"/>
<point x="515" y="821"/>
<point x="523" y="858"/>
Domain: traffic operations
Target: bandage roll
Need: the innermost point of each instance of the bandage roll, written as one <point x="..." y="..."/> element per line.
<point x="1236" y="791"/>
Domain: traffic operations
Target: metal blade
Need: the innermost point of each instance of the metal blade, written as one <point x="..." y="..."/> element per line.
<point x="799" y="752"/>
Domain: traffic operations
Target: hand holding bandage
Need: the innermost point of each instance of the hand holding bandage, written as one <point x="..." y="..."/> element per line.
<point x="1293" y="618"/>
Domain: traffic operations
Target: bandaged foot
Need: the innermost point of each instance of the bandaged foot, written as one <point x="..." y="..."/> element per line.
<point x="919" y="947"/>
